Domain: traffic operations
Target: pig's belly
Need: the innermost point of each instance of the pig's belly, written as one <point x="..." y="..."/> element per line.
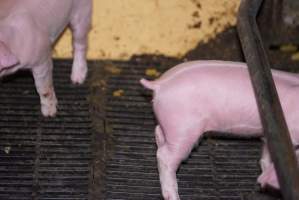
<point x="231" y="111"/>
<point x="245" y="130"/>
<point x="238" y="116"/>
<point x="245" y="124"/>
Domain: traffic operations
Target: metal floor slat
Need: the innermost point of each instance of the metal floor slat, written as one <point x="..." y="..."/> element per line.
<point x="217" y="169"/>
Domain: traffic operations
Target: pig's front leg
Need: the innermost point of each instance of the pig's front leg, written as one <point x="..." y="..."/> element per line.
<point x="43" y="78"/>
<point x="268" y="178"/>
<point x="80" y="25"/>
<point x="265" y="160"/>
<point x="266" y="167"/>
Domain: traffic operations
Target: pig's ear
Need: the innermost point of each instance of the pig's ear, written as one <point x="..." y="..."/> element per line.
<point x="7" y="58"/>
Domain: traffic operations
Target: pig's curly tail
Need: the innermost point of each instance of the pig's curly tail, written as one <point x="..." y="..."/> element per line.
<point x="148" y="84"/>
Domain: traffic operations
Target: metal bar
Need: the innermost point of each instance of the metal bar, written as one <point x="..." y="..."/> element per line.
<point x="274" y="124"/>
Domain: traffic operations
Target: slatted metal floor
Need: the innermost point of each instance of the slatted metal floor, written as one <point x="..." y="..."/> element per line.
<point x="41" y="158"/>
<point x="219" y="169"/>
<point x="53" y="159"/>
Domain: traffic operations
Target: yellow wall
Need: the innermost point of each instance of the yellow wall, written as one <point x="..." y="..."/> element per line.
<point x="122" y="28"/>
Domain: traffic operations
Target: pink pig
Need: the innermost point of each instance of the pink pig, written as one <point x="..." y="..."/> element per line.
<point x="28" y="29"/>
<point x="195" y="97"/>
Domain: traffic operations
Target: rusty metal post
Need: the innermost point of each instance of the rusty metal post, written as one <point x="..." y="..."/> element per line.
<point x="270" y="110"/>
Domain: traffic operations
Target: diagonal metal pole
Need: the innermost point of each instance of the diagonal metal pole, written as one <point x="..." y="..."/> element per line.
<point x="274" y="124"/>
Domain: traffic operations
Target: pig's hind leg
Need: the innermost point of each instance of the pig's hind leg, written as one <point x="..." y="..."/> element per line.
<point x="171" y="152"/>
<point x="80" y="25"/>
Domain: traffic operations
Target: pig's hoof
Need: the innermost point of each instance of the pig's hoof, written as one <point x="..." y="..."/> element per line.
<point x="262" y="180"/>
<point x="170" y="196"/>
<point x="49" y="111"/>
<point x="78" y="75"/>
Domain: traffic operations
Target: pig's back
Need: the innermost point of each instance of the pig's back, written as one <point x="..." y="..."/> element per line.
<point x="192" y="66"/>
<point x="218" y="79"/>
<point x="210" y="83"/>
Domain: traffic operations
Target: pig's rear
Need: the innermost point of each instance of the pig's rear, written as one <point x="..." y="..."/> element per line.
<point x="220" y="95"/>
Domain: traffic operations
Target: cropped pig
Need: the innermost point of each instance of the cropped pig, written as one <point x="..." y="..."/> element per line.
<point x="195" y="97"/>
<point x="28" y="29"/>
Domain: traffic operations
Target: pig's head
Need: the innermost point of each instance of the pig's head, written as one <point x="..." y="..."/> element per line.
<point x="7" y="58"/>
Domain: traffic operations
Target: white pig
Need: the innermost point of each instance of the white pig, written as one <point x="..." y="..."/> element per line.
<point x="195" y="97"/>
<point x="28" y="29"/>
